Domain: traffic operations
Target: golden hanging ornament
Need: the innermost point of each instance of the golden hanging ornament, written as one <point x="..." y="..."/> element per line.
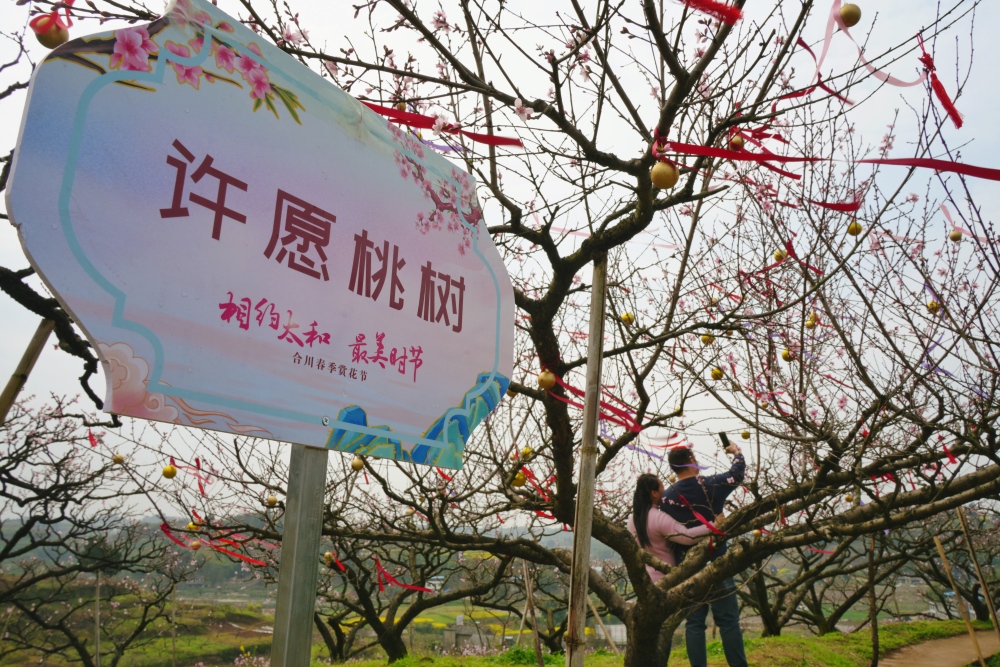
<point x="664" y="175"/>
<point x="850" y="14"/>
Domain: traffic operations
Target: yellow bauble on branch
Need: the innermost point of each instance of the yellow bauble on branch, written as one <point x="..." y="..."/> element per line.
<point x="118" y="459"/>
<point x="810" y="323"/>
<point x="763" y="405"/>
<point x="850" y="14"/>
<point x="745" y="435"/>
<point x="707" y="339"/>
<point x="955" y="236"/>
<point x="780" y="255"/>
<point x="628" y="319"/>
<point x="787" y="355"/>
<point x="933" y="307"/>
<point x="736" y="142"/>
<point x="196" y="545"/>
<point x="757" y="533"/>
<point x="671" y="478"/>
<point x="410" y="511"/>
<point x="55" y="36"/>
<point x="849" y="498"/>
<point x="357" y="463"/>
<point x="855" y="228"/>
<point x="520" y="479"/>
<point x="169" y="472"/>
<point x="511" y="392"/>
<point x="192" y="526"/>
<point x="272" y="500"/>
<point x="546" y="379"/>
<point x="664" y="175"/>
<point x="328" y="556"/>
<point x="718" y="373"/>
<point x="527" y="453"/>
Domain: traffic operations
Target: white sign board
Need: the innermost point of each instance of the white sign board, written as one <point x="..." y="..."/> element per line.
<point x="249" y="249"/>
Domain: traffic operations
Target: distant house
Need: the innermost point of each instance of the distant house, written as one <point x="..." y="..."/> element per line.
<point x="459" y="635"/>
<point x="937" y="610"/>
<point x="435" y="583"/>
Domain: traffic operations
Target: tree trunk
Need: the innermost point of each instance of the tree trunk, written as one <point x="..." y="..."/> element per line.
<point x="324" y="632"/>
<point x="643" y="648"/>
<point x="768" y="618"/>
<point x="392" y="643"/>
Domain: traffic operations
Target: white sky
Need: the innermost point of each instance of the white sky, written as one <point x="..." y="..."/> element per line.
<point x="896" y="19"/>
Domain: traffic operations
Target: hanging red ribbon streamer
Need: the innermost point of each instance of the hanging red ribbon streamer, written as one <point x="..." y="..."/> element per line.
<point x="924" y="163"/>
<point x="717" y="10"/>
<point x="253" y="561"/>
<point x="846" y="207"/>
<point x="700" y="518"/>
<point x="951" y="457"/>
<point x="389" y="579"/>
<point x="616" y="416"/>
<point x="90" y="436"/>
<point x="195" y="470"/>
<point x="427" y="123"/>
<point x="928" y="62"/>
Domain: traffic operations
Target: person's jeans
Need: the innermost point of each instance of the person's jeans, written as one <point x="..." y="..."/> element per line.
<point x="726" y="612"/>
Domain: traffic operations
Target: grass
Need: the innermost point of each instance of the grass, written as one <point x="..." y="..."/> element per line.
<point x="834" y="650"/>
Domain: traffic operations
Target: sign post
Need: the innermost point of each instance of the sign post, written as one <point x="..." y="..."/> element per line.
<point x="579" y="592"/>
<point x="251" y="250"/>
<point x="299" y="570"/>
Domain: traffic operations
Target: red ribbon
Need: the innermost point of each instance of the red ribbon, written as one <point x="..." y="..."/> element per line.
<point x="717" y="10"/>
<point x="90" y="436"/>
<point x="928" y="62"/>
<point x="389" y="579"/>
<point x="427" y="123"/>
<point x="42" y="23"/>
<point x="616" y="416"/>
<point x="700" y="518"/>
<point x="846" y="207"/>
<point x="925" y="163"/>
<point x="253" y="561"/>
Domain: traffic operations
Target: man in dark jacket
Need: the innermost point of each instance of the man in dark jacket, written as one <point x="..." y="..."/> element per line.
<point x="690" y="497"/>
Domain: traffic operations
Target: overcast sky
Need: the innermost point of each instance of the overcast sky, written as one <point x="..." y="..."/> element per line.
<point x="57" y="371"/>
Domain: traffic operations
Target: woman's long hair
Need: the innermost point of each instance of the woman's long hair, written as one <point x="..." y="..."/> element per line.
<point x="642" y="501"/>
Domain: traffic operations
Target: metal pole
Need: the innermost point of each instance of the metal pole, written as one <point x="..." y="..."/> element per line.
<point x="576" y="640"/>
<point x="979" y="573"/>
<point x="959" y="602"/>
<point x="298" y="572"/>
<point x="23" y="370"/>
<point x="97" y="621"/>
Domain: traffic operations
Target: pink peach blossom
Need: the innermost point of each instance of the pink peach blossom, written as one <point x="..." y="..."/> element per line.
<point x="132" y="49"/>
<point x="225" y="58"/>
<point x="261" y="84"/>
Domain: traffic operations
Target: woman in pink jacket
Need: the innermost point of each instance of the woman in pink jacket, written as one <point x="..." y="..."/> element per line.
<point x="653" y="530"/>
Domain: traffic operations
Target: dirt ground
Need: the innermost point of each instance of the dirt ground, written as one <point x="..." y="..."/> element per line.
<point x="951" y="652"/>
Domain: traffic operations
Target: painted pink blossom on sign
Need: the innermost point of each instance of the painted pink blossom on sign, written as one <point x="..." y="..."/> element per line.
<point x="132" y="49"/>
<point x="185" y="74"/>
<point x="261" y="85"/>
<point x="225" y="59"/>
<point x="452" y="198"/>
